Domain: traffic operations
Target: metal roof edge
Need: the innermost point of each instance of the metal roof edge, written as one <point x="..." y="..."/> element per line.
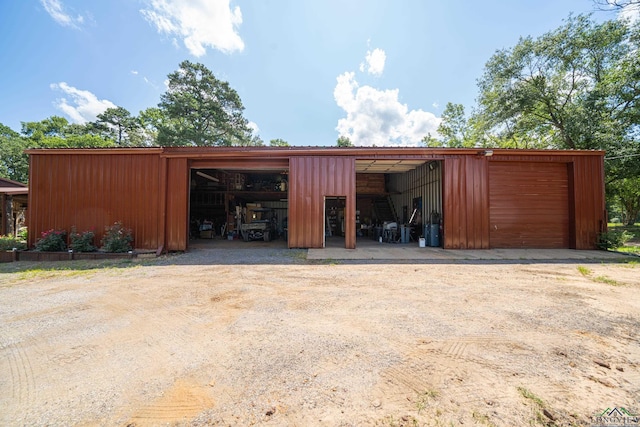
<point x="15" y="184"/>
<point x="117" y="150"/>
<point x="286" y="152"/>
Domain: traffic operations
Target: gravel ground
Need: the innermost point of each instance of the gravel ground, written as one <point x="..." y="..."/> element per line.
<point x="261" y="336"/>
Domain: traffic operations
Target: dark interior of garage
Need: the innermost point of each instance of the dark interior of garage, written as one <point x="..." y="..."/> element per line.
<point x="395" y="201"/>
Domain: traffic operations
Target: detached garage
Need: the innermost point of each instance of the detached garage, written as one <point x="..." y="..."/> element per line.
<point x="472" y="198"/>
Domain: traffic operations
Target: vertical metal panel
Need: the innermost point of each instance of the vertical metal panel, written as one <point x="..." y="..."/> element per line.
<point x="529" y="205"/>
<point x="177" y="222"/>
<point x="466" y="204"/>
<point x="91" y="191"/>
<point x="588" y="195"/>
<point x="311" y="179"/>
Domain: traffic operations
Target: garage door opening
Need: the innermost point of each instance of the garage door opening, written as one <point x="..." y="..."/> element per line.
<point x="238" y="205"/>
<point x="397" y="200"/>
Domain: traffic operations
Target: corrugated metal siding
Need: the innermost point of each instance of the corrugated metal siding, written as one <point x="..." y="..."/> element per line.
<point x="529" y="205"/>
<point x="311" y="179"/>
<point x="587" y="216"/>
<point x="149" y="192"/>
<point x="94" y="191"/>
<point x="421" y="182"/>
<point x="466" y="197"/>
<point x="177" y="226"/>
<point x="588" y="198"/>
<point x="466" y="203"/>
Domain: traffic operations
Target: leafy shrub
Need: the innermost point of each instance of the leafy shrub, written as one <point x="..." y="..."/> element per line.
<point x="613" y="239"/>
<point x="22" y="234"/>
<point x="117" y="238"/>
<point x="52" y="241"/>
<point x="7" y="243"/>
<point x="82" y="242"/>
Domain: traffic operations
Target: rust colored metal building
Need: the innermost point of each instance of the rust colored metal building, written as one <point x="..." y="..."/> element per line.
<point x="476" y="198"/>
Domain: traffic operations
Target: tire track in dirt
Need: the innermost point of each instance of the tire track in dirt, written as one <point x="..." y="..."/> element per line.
<point x="180" y="403"/>
<point x="166" y="326"/>
<point x="21" y="376"/>
<point x="447" y="372"/>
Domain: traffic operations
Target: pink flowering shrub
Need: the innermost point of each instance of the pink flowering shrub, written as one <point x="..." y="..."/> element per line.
<point x="117" y="238"/>
<point x="82" y="242"/>
<point x="52" y="241"/>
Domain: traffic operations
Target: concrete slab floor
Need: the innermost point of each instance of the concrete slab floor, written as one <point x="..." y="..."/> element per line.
<point x="367" y="249"/>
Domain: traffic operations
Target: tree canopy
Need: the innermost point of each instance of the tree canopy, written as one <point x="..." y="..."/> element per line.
<point x="278" y="143"/>
<point x="53" y="132"/>
<point x="119" y="125"/>
<point x="344" y="141"/>
<point x="197" y="109"/>
<point x="200" y="110"/>
<point x="576" y="87"/>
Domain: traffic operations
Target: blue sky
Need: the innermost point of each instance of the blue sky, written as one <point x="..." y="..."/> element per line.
<point x="378" y="71"/>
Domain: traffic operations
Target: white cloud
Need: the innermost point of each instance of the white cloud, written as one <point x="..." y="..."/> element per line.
<point x="134" y="72"/>
<point x="82" y="106"/>
<point x="377" y="117"/>
<point x="435" y="105"/>
<point x="375" y="60"/>
<point x="630" y="12"/>
<point x="57" y="12"/>
<point x="199" y="23"/>
<point x="254" y="127"/>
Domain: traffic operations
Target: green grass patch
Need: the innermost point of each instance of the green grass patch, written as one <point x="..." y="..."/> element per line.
<point x="607" y="280"/>
<point x="584" y="270"/>
<point x="539" y="407"/>
<point x="635" y="250"/>
<point x="634" y="230"/>
<point x="38" y="269"/>
<point x="422" y="401"/>
<point x="599" y="279"/>
<point x="481" y="418"/>
<point x="527" y="394"/>
<point x="38" y="273"/>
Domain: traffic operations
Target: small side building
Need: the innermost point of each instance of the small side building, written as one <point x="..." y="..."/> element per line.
<point x="473" y="198"/>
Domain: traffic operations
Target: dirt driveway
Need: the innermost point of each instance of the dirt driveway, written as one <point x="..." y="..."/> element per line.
<point x="195" y="339"/>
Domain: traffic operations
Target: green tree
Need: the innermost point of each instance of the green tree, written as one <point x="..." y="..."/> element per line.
<point x="14" y="164"/>
<point x="51" y="126"/>
<point x="278" y="143"/>
<point x="575" y="88"/>
<point x="431" y="141"/>
<point x="57" y="132"/>
<point x="454" y="128"/>
<point x="344" y="141"/>
<point x="625" y="193"/>
<point x="246" y="139"/>
<point x="118" y="125"/>
<point x="149" y="121"/>
<point x="200" y="110"/>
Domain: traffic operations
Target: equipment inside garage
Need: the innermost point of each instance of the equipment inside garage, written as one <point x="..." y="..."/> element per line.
<point x="238" y="205"/>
